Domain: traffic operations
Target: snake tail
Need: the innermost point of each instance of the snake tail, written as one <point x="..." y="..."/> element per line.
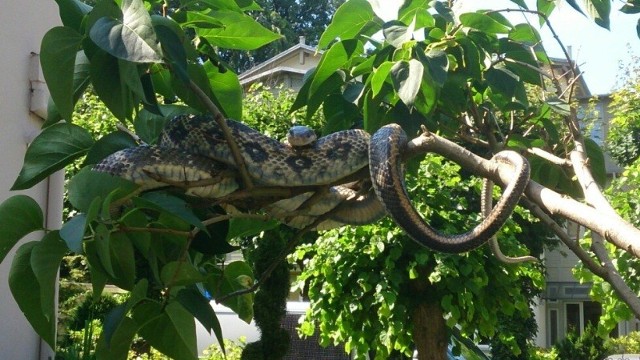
<point x="387" y="175"/>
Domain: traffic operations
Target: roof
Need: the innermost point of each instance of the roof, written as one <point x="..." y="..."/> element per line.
<point x="276" y="64"/>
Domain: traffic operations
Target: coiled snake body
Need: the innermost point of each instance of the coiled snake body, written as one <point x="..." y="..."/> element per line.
<point x="193" y="153"/>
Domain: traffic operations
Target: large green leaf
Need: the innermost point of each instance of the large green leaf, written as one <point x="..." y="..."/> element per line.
<point x="244" y="227"/>
<point x="58" y="52"/>
<point x="45" y="261"/>
<point x="131" y="37"/>
<point x="123" y="259"/>
<point x="87" y="185"/>
<point x="170" y="329"/>
<point x="484" y="23"/>
<point x="236" y="275"/>
<point x="599" y="11"/>
<point x="226" y="89"/>
<point x="108" y="82"/>
<point x="53" y="149"/>
<point x="180" y="273"/>
<point x="407" y="79"/>
<point x="336" y="57"/>
<point x="27" y="293"/>
<point x="199" y="306"/>
<point x="121" y="339"/>
<point x="19" y="216"/>
<point x="72" y="232"/>
<point x="416" y="11"/>
<point x="72" y="13"/>
<point x="352" y="18"/>
<point x="240" y="32"/>
<point x="173" y="205"/>
<point x="107" y="145"/>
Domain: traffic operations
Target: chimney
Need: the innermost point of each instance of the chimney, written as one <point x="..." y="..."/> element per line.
<point x="301" y="40"/>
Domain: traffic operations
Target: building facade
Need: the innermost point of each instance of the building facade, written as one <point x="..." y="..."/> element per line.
<point x="22" y="26"/>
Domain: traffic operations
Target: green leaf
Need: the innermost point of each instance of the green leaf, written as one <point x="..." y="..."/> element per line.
<point x="520" y="3"/>
<point x="545" y="7"/>
<point x="333" y="59"/>
<point x="407" y="78"/>
<point x="397" y="33"/>
<point x="88" y="185"/>
<point x="149" y="126"/>
<point x="353" y="18"/>
<point x="244" y="227"/>
<point x="45" y="261"/>
<point x="199" y="306"/>
<point x="599" y="11"/>
<point x="416" y="11"/>
<point x="107" y="81"/>
<point x="484" y="23"/>
<point x="119" y="342"/>
<point x="237" y="275"/>
<point x="19" y="216"/>
<point x="438" y="64"/>
<point x="596" y="162"/>
<point x="123" y="260"/>
<point x="170" y="330"/>
<point x="380" y="75"/>
<point x="27" y="293"/>
<point x="72" y="232"/>
<point x="58" y="52"/>
<point x="172" y="37"/>
<point x="180" y="273"/>
<point x="53" y="149"/>
<point x="107" y="145"/>
<point x="226" y="89"/>
<point x="502" y="80"/>
<point x="171" y="204"/>
<point x="72" y="13"/>
<point x="130" y="37"/>
<point x="240" y="32"/>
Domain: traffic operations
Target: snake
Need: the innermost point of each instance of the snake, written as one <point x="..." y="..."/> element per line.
<point x="387" y="175"/>
<point x="192" y="153"/>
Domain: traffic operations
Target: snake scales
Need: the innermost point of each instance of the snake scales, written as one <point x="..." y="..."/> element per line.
<point x="192" y="153"/>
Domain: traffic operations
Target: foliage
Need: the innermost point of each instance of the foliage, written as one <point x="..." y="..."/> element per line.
<point x="628" y="344"/>
<point x="543" y="354"/>
<point x="359" y="279"/>
<point x="624" y="128"/>
<point x="464" y="80"/>
<point x="268" y="109"/>
<point x="233" y="350"/>
<point x="290" y="19"/>
<point x="588" y="346"/>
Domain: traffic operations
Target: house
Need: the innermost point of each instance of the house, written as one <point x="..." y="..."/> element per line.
<point x="287" y="68"/>
<point x="24" y="96"/>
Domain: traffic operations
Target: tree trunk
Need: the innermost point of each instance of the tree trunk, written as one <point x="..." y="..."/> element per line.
<point x="430" y="331"/>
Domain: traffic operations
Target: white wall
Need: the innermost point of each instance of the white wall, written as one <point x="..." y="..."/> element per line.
<point x="22" y="26"/>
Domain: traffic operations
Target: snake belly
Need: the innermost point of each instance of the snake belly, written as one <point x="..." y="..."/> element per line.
<point x="387" y="176"/>
<point x="267" y="160"/>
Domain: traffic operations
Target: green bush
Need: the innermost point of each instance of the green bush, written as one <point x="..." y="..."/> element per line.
<point x="588" y="346"/>
<point x="543" y="354"/>
<point x="629" y="344"/>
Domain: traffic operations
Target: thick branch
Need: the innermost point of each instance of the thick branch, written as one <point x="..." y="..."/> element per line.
<point x="613" y="228"/>
<point x="606" y="270"/>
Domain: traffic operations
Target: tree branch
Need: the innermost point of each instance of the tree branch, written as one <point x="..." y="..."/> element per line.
<point x="612" y="228"/>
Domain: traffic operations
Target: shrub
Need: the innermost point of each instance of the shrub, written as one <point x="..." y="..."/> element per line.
<point x="629" y="344"/>
<point x="588" y="346"/>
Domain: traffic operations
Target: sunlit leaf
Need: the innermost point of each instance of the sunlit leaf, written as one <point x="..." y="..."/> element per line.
<point x="131" y="37"/>
<point x="351" y="19"/>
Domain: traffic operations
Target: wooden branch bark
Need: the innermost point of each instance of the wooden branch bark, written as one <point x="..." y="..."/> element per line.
<point x="611" y="227"/>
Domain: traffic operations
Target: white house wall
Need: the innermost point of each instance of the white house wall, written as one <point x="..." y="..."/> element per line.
<point x="22" y="26"/>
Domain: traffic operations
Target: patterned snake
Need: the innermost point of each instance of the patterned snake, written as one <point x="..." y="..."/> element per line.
<point x="192" y="153"/>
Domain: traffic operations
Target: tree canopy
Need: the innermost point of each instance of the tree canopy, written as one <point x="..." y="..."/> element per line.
<point x="469" y="84"/>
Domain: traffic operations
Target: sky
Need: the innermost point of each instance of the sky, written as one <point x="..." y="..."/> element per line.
<point x="597" y="51"/>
